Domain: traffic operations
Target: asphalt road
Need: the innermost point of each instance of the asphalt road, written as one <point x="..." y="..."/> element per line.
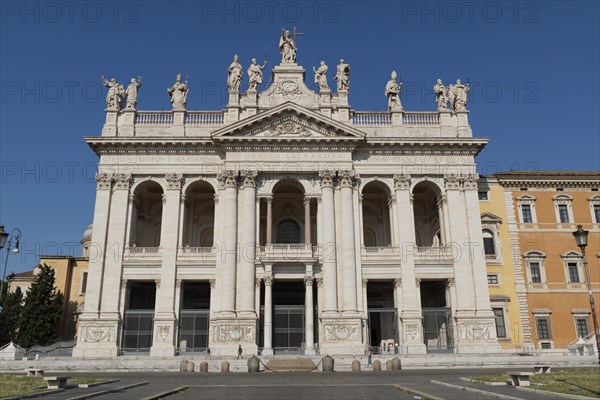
<point x="405" y="385"/>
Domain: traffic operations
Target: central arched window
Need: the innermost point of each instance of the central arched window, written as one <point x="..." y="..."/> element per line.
<point x="488" y="243"/>
<point x="288" y="231"/>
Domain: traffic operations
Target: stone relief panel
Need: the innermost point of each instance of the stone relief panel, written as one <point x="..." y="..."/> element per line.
<point x="98" y="332"/>
<point x="341" y="332"/>
<point x="225" y="332"/>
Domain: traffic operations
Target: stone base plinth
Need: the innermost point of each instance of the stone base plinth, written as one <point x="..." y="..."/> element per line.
<point x="227" y="334"/>
<point x="342" y="335"/>
<point x="97" y="338"/>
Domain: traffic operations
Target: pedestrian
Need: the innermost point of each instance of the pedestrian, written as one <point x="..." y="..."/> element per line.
<point x="369" y="356"/>
<point x="240" y="352"/>
<point x="208" y="353"/>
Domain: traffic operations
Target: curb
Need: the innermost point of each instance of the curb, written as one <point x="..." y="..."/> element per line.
<point x="546" y="392"/>
<point x="89" y="385"/>
<point x="166" y="393"/>
<point x="32" y="395"/>
<point x="484" y="382"/>
<point x="468" y="389"/>
<point x="417" y="392"/>
<point x="103" y="392"/>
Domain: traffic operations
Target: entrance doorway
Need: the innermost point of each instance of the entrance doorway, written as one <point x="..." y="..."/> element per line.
<point x="382" y="328"/>
<point x="288" y="316"/>
<point x="437" y="317"/>
<point x="138" y="319"/>
<point x="194" y="317"/>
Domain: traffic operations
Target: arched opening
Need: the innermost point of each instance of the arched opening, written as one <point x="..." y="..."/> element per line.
<point x="199" y="215"/>
<point x="376" y="215"/>
<point x="146" y="217"/>
<point x="291" y="216"/>
<point x="426" y="208"/>
<point x="488" y="243"/>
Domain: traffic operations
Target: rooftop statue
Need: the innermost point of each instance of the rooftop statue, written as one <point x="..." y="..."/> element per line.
<point x="392" y="91"/>
<point x="132" y="92"/>
<point x="255" y="75"/>
<point x="114" y="97"/>
<point x="343" y="76"/>
<point x="461" y="92"/>
<point x="178" y="93"/>
<point x="441" y="95"/>
<point x="287" y="47"/>
<point x="321" y="77"/>
<point x="235" y="75"/>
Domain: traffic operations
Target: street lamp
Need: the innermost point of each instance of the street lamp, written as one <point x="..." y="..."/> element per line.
<point x="6" y="239"/>
<point x="581" y="236"/>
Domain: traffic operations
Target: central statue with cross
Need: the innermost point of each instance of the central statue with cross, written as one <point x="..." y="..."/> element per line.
<point x="287" y="46"/>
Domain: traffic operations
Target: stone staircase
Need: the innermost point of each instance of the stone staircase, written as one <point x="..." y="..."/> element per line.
<point x="299" y="364"/>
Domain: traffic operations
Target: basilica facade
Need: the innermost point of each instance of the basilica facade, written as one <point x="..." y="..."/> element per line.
<point x="287" y="222"/>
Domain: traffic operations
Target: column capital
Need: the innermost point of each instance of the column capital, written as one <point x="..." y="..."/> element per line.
<point x="123" y="283"/>
<point x="213" y="283"/>
<point x="216" y="198"/>
<point x="269" y="199"/>
<point x="418" y="282"/>
<point x="470" y="181"/>
<point x="402" y="182"/>
<point x="450" y="282"/>
<point x="326" y="179"/>
<point x="157" y="282"/>
<point x="308" y="280"/>
<point x="319" y="282"/>
<point x="398" y="282"/>
<point x="122" y="181"/>
<point x="348" y="179"/>
<point x="257" y="282"/>
<point x="179" y="283"/>
<point x="103" y="181"/>
<point x="173" y="181"/>
<point x="365" y="282"/>
<point x="268" y="280"/>
<point x="227" y="179"/>
<point x="452" y="182"/>
<point x="307" y="200"/>
<point x="249" y="179"/>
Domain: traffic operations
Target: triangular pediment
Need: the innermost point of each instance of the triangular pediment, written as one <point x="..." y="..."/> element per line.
<point x="490" y="218"/>
<point x="288" y="121"/>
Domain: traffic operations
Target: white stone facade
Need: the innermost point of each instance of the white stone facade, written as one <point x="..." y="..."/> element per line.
<point x="287" y="186"/>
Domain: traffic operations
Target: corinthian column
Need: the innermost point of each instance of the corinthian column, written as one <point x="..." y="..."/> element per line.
<point x="245" y="287"/>
<point x="268" y="321"/>
<point x="227" y="256"/>
<point x="329" y="253"/>
<point x="348" y="244"/>
<point x="309" y="324"/>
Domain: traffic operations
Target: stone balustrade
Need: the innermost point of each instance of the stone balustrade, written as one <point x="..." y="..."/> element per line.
<point x="208" y="118"/>
<point x="421" y="119"/>
<point x="154" y="118"/>
<point x="361" y="118"/>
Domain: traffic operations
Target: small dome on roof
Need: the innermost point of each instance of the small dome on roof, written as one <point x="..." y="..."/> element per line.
<point x="87" y="235"/>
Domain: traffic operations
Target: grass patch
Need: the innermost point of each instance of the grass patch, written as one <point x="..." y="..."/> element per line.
<point x="14" y="385"/>
<point x="82" y="381"/>
<point x="577" y="381"/>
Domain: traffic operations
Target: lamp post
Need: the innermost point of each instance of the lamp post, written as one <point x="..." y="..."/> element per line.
<point x="581" y="236"/>
<point x="6" y="239"/>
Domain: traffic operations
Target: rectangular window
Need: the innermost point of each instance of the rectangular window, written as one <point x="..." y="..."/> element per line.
<point x="597" y="213"/>
<point x="563" y="213"/>
<point x="83" y="282"/>
<point x="543" y="329"/>
<point x="492" y="279"/>
<point x="546" y="346"/>
<point x="526" y="212"/>
<point x="483" y="195"/>
<point x="536" y="276"/>
<point x="582" y="327"/>
<point x="500" y="324"/>
<point x="573" y="272"/>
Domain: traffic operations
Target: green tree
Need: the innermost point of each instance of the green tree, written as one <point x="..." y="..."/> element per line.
<point x="42" y="311"/>
<point x="12" y="306"/>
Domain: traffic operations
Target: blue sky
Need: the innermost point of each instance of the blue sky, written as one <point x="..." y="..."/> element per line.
<point x="533" y="67"/>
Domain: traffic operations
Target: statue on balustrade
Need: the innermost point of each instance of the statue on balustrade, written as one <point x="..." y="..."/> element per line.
<point x="343" y="76"/>
<point x="236" y="73"/>
<point x="321" y="77"/>
<point x="178" y="93"/>
<point x="132" y="92"/>
<point x="461" y="94"/>
<point x="287" y="47"/>
<point x="114" y="97"/>
<point x="255" y="74"/>
<point x="392" y="91"/>
<point x="441" y="95"/>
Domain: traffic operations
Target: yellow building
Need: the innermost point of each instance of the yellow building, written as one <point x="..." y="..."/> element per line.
<point x="505" y="278"/>
<point x="70" y="278"/>
<point x="546" y="207"/>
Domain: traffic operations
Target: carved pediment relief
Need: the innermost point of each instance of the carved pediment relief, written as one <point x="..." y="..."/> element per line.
<point x="289" y="121"/>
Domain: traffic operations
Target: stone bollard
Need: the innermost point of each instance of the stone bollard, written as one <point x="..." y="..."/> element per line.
<point x="253" y="364"/>
<point x="203" y="366"/>
<point x="396" y="364"/>
<point x="389" y="365"/>
<point x="183" y="366"/>
<point x="225" y="366"/>
<point x="190" y="366"/>
<point x="355" y="366"/>
<point x="328" y="363"/>
<point x="376" y="365"/>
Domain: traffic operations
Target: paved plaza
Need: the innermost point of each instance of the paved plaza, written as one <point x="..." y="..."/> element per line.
<point x="405" y="384"/>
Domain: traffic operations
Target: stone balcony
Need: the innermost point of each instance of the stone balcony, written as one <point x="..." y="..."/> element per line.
<point x="136" y="256"/>
<point x="434" y="255"/>
<point x="292" y="252"/>
<point x="198" y="255"/>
